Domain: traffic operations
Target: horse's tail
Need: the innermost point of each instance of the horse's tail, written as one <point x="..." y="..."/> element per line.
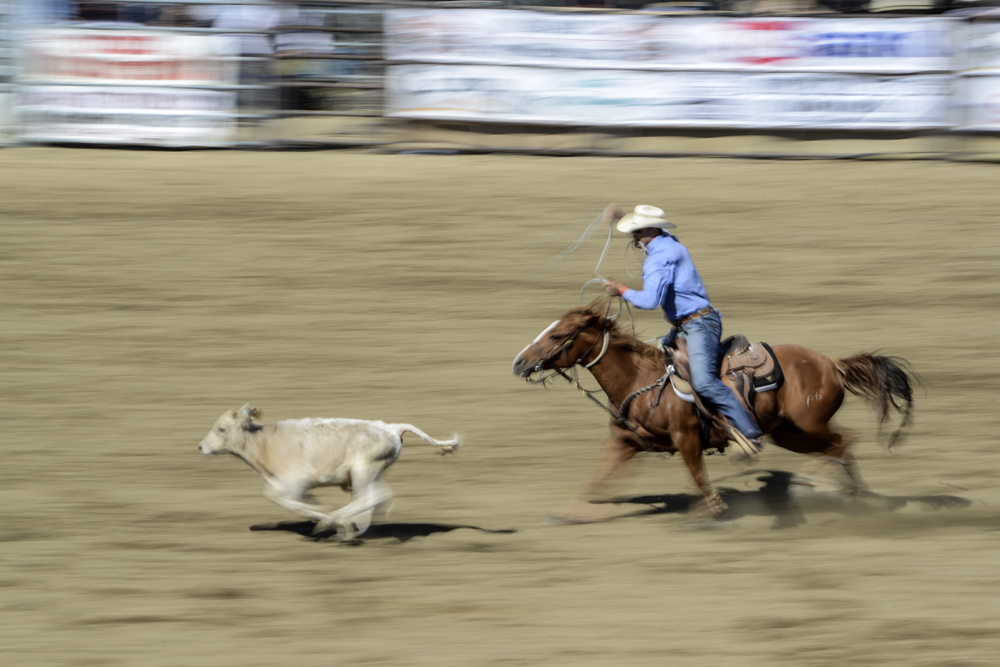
<point x="883" y="382"/>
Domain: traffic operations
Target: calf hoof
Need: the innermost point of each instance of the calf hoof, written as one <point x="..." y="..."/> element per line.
<point x="326" y="526"/>
<point x="347" y="530"/>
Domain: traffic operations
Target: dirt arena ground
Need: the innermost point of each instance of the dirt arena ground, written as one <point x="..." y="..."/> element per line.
<point x="144" y="293"/>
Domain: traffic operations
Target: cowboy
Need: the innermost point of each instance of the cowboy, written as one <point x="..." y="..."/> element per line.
<point x="670" y="281"/>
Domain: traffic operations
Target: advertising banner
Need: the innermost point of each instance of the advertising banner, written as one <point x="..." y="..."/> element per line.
<point x="125" y="86"/>
<point x="121" y="115"/>
<point x="667" y="99"/>
<point x="978" y="99"/>
<point x="610" y="41"/>
<point x="978" y="87"/>
<point x="978" y="46"/>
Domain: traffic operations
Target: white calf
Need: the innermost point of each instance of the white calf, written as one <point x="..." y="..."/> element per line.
<point x="296" y="455"/>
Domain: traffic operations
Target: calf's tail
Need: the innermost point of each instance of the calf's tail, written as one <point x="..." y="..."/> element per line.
<point x="884" y="382"/>
<point x="446" y="446"/>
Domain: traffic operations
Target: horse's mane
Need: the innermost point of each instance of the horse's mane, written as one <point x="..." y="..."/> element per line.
<point x="646" y="356"/>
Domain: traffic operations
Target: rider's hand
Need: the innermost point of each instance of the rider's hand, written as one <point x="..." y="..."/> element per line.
<point x="611" y="214"/>
<point x="614" y="287"/>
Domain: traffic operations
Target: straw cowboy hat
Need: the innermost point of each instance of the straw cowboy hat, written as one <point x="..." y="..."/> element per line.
<point x="644" y="216"/>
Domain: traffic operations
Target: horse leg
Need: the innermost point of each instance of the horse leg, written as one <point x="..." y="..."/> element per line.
<point x="616" y="452"/>
<point x="689" y="445"/>
<point x="833" y="446"/>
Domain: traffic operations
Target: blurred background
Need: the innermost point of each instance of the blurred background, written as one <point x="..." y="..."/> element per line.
<point x="838" y="77"/>
<point x="147" y="288"/>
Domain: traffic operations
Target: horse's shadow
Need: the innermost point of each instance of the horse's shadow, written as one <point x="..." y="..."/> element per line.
<point x="400" y="532"/>
<point x="787" y="497"/>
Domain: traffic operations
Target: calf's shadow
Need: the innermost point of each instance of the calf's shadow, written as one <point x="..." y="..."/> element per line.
<point x="400" y="532"/>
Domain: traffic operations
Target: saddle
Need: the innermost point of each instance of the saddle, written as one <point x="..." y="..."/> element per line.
<point x="748" y="368"/>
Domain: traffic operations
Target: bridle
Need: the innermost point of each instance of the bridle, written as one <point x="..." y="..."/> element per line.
<point x="621" y="417"/>
<point x="564" y="345"/>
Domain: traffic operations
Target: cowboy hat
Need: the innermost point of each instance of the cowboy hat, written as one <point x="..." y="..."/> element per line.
<point x="644" y="216"/>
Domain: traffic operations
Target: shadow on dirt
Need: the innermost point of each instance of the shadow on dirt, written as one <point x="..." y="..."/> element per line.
<point x="401" y="532"/>
<point x="788" y="498"/>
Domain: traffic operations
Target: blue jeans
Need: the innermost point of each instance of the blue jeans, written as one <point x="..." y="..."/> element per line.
<point x="703" y="335"/>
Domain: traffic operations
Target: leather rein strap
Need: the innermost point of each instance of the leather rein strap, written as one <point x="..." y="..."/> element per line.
<point x="621" y="417"/>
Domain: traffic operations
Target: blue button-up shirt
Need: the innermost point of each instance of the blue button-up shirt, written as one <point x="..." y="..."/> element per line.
<point x="669" y="280"/>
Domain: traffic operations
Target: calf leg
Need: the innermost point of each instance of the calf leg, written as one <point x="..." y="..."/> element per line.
<point x="294" y="499"/>
<point x="379" y="493"/>
<point x="368" y="492"/>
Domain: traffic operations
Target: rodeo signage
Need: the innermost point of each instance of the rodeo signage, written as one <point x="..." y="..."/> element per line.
<point x="667" y="99"/>
<point x="979" y="81"/>
<point x="125" y="87"/>
<point x="514" y="66"/>
<point x="504" y="37"/>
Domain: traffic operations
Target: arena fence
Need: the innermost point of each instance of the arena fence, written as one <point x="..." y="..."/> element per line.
<point x="139" y="74"/>
<point x="486" y="76"/>
<point x="7" y="64"/>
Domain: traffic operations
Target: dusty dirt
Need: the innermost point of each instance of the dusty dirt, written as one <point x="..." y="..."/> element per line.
<point x="147" y="292"/>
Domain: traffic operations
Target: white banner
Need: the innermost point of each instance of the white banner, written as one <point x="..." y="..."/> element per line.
<point x="667" y="99"/>
<point x="979" y="102"/>
<point x="508" y="37"/>
<point x="128" y="86"/>
<point x="120" y="115"/>
<point x="978" y="46"/>
<point x="977" y="94"/>
<point x="78" y="55"/>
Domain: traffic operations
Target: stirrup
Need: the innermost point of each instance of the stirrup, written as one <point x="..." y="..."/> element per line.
<point x="744" y="449"/>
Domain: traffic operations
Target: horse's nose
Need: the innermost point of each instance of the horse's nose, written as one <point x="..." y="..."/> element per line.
<point x="519" y="365"/>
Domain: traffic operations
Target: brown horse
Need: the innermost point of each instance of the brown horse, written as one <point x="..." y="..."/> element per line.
<point x="797" y="415"/>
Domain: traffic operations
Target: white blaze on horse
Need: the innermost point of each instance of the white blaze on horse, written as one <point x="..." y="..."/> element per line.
<point x="648" y="416"/>
<point x="295" y="456"/>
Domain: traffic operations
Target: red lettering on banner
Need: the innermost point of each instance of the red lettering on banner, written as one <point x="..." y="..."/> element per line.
<point x="761" y="42"/>
<point x="135" y="45"/>
<point x="97" y="68"/>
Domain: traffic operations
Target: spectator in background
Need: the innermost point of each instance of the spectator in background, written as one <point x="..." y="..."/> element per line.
<point x="174" y="16"/>
<point x="249" y="26"/>
<point x="45" y="11"/>
<point x="98" y="12"/>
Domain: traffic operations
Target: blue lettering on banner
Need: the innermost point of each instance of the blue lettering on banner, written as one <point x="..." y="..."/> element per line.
<point x="860" y="45"/>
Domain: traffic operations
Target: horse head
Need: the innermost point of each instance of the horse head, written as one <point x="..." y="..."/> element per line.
<point x="572" y="339"/>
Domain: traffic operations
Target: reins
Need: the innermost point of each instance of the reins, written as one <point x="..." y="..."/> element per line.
<point x="621" y="416"/>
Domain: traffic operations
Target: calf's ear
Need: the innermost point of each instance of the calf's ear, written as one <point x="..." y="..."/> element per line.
<point x="248" y="414"/>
